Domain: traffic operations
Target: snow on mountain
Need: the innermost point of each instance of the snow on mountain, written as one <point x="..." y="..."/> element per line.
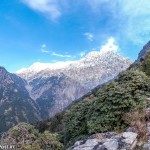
<point x="56" y="85"/>
<point x="36" y="67"/>
<point x="109" y="47"/>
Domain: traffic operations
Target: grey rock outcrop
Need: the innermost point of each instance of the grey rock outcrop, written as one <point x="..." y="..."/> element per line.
<point x="124" y="141"/>
<point x="143" y="52"/>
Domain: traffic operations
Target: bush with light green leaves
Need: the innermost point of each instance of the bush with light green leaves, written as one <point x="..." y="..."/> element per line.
<point x="26" y="137"/>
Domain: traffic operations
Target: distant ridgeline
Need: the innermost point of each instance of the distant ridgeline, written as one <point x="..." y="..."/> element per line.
<point x="144" y="52"/>
<point x="144" y="64"/>
<point x="15" y="103"/>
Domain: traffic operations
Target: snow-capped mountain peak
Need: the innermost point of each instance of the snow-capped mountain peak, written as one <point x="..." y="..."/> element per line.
<point x="61" y="83"/>
<point x="100" y="58"/>
<point x="106" y="50"/>
<point x="38" y="66"/>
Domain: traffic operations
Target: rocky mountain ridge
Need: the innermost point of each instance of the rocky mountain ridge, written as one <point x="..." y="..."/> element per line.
<point x="43" y="93"/>
<point x="114" y="116"/>
<point x="106" y="61"/>
<point x="143" y="52"/>
<point x="15" y="103"/>
<point x="77" y="78"/>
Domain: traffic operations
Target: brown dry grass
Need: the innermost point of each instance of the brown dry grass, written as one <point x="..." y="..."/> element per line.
<point x="137" y="121"/>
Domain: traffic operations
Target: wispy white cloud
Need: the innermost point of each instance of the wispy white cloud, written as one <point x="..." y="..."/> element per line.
<point x="61" y="55"/>
<point x="81" y="54"/>
<point x="110" y="46"/>
<point x="137" y="17"/>
<point x="89" y="36"/>
<point x="50" y="8"/>
<point x="44" y="50"/>
<point x="132" y="16"/>
<point x="43" y="46"/>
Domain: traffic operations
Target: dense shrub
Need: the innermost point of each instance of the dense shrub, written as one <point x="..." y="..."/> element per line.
<point x="103" y="110"/>
<point x="53" y="125"/>
<point x="26" y="137"/>
<point x="144" y="64"/>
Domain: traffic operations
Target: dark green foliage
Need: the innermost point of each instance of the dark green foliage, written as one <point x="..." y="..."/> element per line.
<point x="26" y="137"/>
<point x="76" y="120"/>
<point x="103" y="110"/>
<point x="55" y="124"/>
<point x="144" y="64"/>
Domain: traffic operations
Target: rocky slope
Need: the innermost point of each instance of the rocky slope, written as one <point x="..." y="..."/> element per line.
<point x="113" y="107"/>
<point x="49" y="88"/>
<point x="71" y="79"/>
<point x="15" y="103"/>
<point x="137" y="137"/>
<point x="128" y="140"/>
<point x="114" y="116"/>
<point x="143" y="52"/>
<point x="108" y="141"/>
<point x="60" y="92"/>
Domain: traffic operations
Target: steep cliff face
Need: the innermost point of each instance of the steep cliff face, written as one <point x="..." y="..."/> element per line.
<point x="143" y="61"/>
<point x="15" y="103"/>
<point x="55" y="86"/>
<point x="56" y="93"/>
<point x="143" y="52"/>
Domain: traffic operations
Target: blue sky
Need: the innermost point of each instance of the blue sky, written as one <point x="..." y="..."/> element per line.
<point x="60" y="30"/>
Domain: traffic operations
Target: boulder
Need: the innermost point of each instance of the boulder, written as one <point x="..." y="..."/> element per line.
<point x="107" y="141"/>
<point x="111" y="144"/>
<point x="130" y="137"/>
